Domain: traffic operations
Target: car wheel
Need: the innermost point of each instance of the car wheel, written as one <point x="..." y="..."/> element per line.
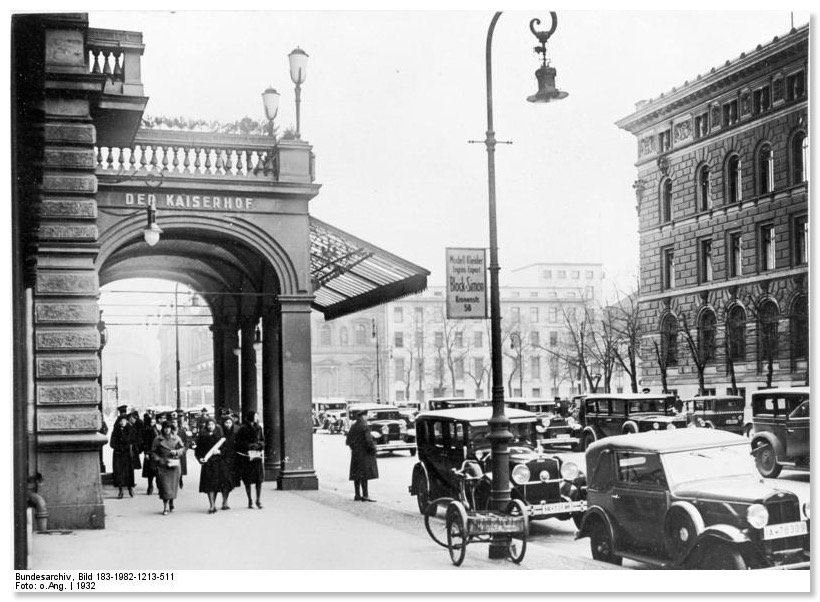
<point x="600" y="544"/>
<point x="589" y="439"/>
<point x="456" y="532"/>
<point x="720" y="557"/>
<point x="680" y="532"/>
<point x="422" y="487"/>
<point x="518" y="540"/>
<point x="766" y="461"/>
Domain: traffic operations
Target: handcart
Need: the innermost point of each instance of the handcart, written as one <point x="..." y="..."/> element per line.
<point x="464" y="524"/>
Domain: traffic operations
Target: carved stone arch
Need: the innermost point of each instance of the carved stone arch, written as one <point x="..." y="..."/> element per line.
<point x="796" y="160"/>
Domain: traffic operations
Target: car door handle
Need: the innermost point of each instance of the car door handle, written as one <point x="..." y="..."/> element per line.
<point x="789" y="430"/>
<point x="615" y="496"/>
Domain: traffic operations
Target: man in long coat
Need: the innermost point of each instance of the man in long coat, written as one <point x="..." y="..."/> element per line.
<point x="363" y="465"/>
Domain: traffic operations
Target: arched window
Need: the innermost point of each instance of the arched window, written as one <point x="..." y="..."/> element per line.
<point x="703" y="188"/>
<point x="669" y="339"/>
<point x="343" y="336"/>
<point x="799" y="328"/>
<point x="733" y="182"/>
<point x="324" y="335"/>
<point x="361" y="334"/>
<point x="767" y="318"/>
<point x="800" y="157"/>
<point x="736" y="333"/>
<point x="765" y="169"/>
<point x="666" y="200"/>
<point x="706" y="335"/>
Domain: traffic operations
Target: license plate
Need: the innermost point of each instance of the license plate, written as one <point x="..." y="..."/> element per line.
<point x="731" y="421"/>
<point x="558" y="507"/>
<point x="785" y="530"/>
<point x="562" y="436"/>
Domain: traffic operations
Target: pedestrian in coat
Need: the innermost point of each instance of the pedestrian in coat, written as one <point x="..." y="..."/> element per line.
<point x="167" y="450"/>
<point x="363" y="465"/>
<point x="250" y="443"/>
<point x="136" y="427"/>
<point x="229" y="430"/>
<point x="122" y="442"/>
<point x="214" y="476"/>
<point x="179" y="431"/>
<point x="149" y="467"/>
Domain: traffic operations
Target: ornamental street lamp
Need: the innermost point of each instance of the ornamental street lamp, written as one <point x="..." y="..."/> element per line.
<point x="270" y="98"/>
<point x="500" y="435"/>
<point x="298" y="71"/>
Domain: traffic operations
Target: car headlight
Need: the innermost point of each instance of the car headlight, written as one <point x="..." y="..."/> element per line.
<point x="671" y="427"/>
<point x="806" y="510"/>
<point x="757" y="516"/>
<point x="385" y="429"/>
<point x="375" y="434"/>
<point x="545" y="421"/>
<point x="655" y="425"/>
<point x="402" y="427"/>
<point x="411" y="432"/>
<point x="569" y="471"/>
<point x="570" y="421"/>
<point x="520" y="474"/>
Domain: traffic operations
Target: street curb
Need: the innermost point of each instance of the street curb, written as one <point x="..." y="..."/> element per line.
<point x="413" y="523"/>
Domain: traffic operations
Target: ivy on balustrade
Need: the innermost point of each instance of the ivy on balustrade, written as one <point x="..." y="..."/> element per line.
<point x="245" y="126"/>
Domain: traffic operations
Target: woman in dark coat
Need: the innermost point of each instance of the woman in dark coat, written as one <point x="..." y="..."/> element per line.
<point x="167" y="450"/>
<point x="122" y="442"/>
<point x="250" y="442"/>
<point x="179" y="430"/>
<point x="214" y="474"/>
<point x="149" y="467"/>
<point x="363" y="465"/>
<point x="229" y="456"/>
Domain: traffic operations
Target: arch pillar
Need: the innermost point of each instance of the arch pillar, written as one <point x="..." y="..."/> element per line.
<point x="247" y="328"/>
<point x="297" y="427"/>
<point x="272" y="391"/>
<point x="218" y="340"/>
<point x="229" y="366"/>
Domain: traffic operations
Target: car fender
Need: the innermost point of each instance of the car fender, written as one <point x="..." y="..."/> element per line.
<point x="592" y="514"/>
<point x="708" y="424"/>
<point x="419" y="467"/>
<point x="727" y="533"/>
<point x="630" y="426"/>
<point x="589" y="429"/>
<point x="766" y="436"/>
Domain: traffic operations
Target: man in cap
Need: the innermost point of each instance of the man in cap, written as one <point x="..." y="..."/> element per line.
<point x="363" y="465"/>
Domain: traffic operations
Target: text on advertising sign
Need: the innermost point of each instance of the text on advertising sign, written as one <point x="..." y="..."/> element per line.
<point x="466" y="284"/>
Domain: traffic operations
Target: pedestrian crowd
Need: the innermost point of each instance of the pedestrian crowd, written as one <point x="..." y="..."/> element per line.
<point x="230" y="455"/>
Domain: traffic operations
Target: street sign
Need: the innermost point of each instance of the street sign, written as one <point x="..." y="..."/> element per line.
<point x="466" y="284"/>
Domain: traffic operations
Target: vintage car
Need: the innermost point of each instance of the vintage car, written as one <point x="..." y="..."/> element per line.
<point x="689" y="499"/>
<point x="445" y="403"/>
<point x="389" y="431"/>
<point x="723" y="412"/>
<point x="408" y="414"/>
<point x="549" y="486"/>
<point x="554" y="429"/>
<point x="607" y="414"/>
<point x="330" y="414"/>
<point x="781" y="429"/>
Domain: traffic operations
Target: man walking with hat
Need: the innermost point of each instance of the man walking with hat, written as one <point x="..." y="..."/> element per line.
<point x="363" y="465"/>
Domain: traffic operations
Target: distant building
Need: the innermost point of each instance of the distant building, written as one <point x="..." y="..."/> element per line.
<point x="722" y="195"/>
<point x="423" y="355"/>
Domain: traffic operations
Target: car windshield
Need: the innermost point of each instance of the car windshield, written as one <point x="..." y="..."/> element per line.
<point x="710" y="463"/>
<point x="729" y="405"/>
<point x="522" y="433"/>
<point x="324" y="407"/>
<point x="384" y="415"/>
<point x="655" y="406"/>
<point x="542" y="408"/>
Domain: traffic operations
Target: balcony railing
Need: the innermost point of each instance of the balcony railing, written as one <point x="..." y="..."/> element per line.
<point x="116" y="54"/>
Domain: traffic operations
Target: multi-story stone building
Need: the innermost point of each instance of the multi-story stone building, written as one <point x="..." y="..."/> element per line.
<point x="421" y="354"/>
<point x="722" y="195"/>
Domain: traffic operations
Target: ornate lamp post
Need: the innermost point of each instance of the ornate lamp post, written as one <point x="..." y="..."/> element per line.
<point x="298" y="71"/>
<point x="270" y="98"/>
<point x="500" y="435"/>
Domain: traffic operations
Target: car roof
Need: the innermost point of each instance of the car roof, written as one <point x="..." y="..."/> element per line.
<point x="366" y="407"/>
<point x="706" y="397"/>
<point x="764" y="392"/>
<point x="666" y="441"/>
<point x="530" y="400"/>
<point x="629" y="396"/>
<point x="481" y="414"/>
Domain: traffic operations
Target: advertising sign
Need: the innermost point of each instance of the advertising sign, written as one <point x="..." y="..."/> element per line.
<point x="466" y="284"/>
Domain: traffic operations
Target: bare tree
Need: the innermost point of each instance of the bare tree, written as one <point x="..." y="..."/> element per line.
<point x="662" y="358"/>
<point x="701" y="350"/>
<point x="452" y="349"/>
<point x="478" y="373"/>
<point x="624" y="318"/>
<point x="603" y="345"/>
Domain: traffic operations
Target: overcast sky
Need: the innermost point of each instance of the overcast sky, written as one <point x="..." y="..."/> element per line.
<point x="392" y="98"/>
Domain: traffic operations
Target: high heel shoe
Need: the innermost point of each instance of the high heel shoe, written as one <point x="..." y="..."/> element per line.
<point x="258" y="504"/>
<point x="131" y="491"/>
<point x="119" y="495"/>
<point x="150" y="490"/>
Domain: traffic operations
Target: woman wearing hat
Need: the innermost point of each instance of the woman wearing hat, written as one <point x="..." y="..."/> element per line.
<point x="122" y="442"/>
<point x="250" y="443"/>
<point x="363" y="465"/>
<point x="214" y="476"/>
<point x="229" y="430"/>
<point x="167" y="449"/>
<point x="149" y="468"/>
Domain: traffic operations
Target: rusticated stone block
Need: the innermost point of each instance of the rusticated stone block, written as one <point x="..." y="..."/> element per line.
<point x="67" y="232"/>
<point x="67" y="366"/>
<point x="70" y="313"/>
<point x="66" y="283"/>
<point x="75" y="133"/>
<point x="56" y="393"/>
<point x="82" y="420"/>
<point x="69" y="183"/>
<point x="70" y="158"/>
<point x="65" y="48"/>
<point x="68" y="208"/>
<point x="59" y="107"/>
<point x="87" y="338"/>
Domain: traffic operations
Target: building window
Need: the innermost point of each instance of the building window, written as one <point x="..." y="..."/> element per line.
<point x="668" y="271"/>
<point x="398" y="368"/>
<point x="515" y="314"/>
<point x="420" y="365"/>
<point x="343" y="338"/>
<point x="664" y="141"/>
<point x="702" y="125"/>
<point x="478" y="366"/>
<point x="324" y="335"/>
<point x="800" y="157"/>
<point x="478" y="339"/>
<point x="438" y="339"/>
<point x="458" y="369"/>
<point x="799" y="328"/>
<point x="398" y="314"/>
<point x="589" y="292"/>
<point x="533" y="294"/>
<point x="730" y="113"/>
<point x="398" y="339"/>
<point x="706" y="273"/>
<point x="669" y="339"/>
<point x="562" y="274"/>
<point x="666" y="201"/>
<point x="553" y="315"/>
<point x="768" y="317"/>
<point x="704" y="200"/>
<point x="438" y="368"/>
<point x="765" y="169"/>
<point x="733" y="175"/>
<point x="795" y="86"/>
<point x="535" y="368"/>
<point x="418" y="316"/>
<point x="459" y="392"/>
<point x="547" y="274"/>
<point x="767" y="247"/>
<point x="735" y="254"/>
<point x="777" y="89"/>
<point x="761" y="102"/>
<point x="536" y="392"/>
<point x="706" y="335"/>
<point x="400" y="395"/>
<point x="361" y="334"/>
<point x="575" y="274"/>
<point x="553" y="339"/>
<point x="458" y="340"/>
<point x="736" y="333"/>
<point x="533" y="314"/>
<point x="535" y="339"/>
<point x="590" y="274"/>
<point x="800" y="236"/>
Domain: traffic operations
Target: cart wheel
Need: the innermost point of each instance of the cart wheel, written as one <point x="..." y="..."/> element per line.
<point x="457" y="532"/>
<point x="518" y="541"/>
<point x="435" y="525"/>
